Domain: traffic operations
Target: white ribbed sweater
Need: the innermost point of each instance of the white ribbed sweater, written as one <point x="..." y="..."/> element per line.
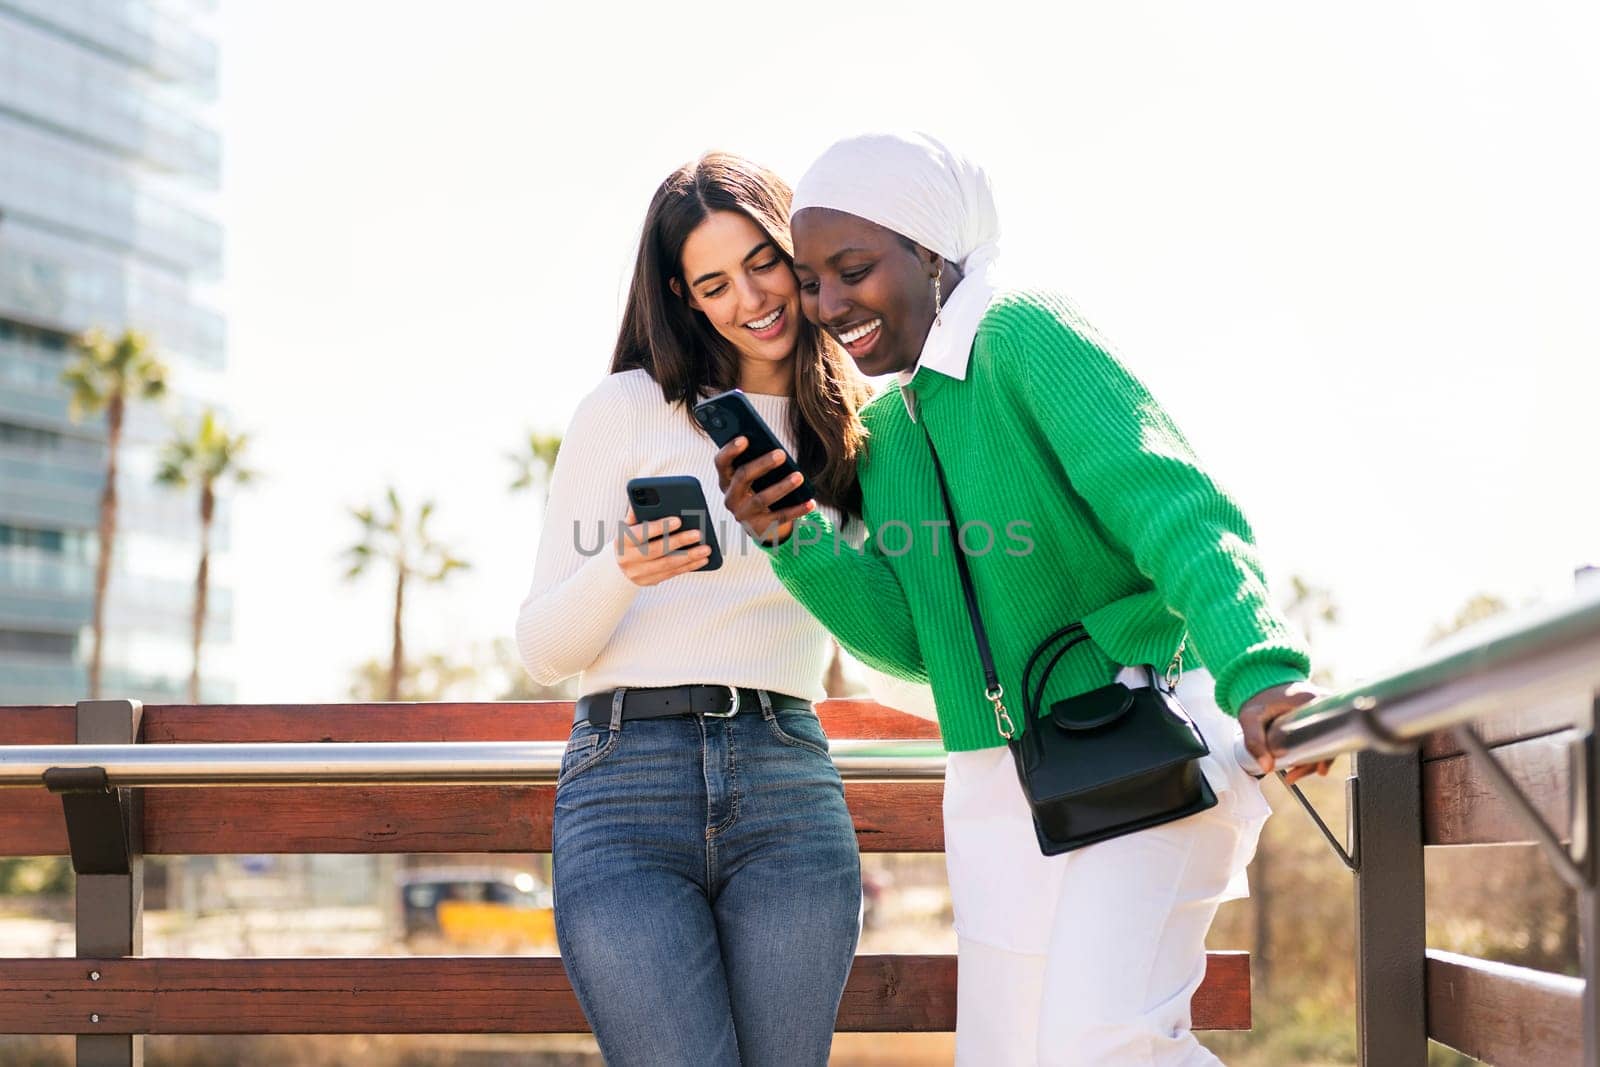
<point x="733" y="626"/>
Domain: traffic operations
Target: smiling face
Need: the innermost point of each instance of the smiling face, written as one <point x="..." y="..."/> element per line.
<point x="868" y="286"/>
<point x="739" y="280"/>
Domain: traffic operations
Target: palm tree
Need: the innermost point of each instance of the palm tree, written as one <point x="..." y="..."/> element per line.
<point x="412" y="551"/>
<point x="206" y="457"/>
<point x="535" y="462"/>
<point x="105" y="376"/>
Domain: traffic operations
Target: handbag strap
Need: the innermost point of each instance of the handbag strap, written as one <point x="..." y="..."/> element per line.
<point x="993" y="692"/>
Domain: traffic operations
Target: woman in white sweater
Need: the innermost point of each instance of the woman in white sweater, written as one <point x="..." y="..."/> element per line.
<point x="707" y="882"/>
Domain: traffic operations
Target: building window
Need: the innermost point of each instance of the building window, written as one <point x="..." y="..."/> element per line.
<point x="36" y="644"/>
<point x="74" y="543"/>
<point x="28" y="437"/>
<point x="48" y="340"/>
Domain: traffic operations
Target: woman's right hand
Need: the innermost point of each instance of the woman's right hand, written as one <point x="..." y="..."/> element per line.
<point x="649" y="553"/>
<point x="753" y="509"/>
<point x="1257" y="714"/>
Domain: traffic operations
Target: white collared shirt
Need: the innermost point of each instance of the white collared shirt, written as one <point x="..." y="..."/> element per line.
<point x="948" y="348"/>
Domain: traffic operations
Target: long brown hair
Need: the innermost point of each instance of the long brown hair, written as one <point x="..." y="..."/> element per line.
<point x="691" y="361"/>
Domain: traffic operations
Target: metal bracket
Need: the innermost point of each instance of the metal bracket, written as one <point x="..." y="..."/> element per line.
<point x="1379" y="737"/>
<point x="98" y="820"/>
<point x="1575" y="867"/>
<point x="1351" y="858"/>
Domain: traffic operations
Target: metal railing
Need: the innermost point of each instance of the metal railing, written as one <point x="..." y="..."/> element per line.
<point x="1519" y="659"/>
<point x="410" y="763"/>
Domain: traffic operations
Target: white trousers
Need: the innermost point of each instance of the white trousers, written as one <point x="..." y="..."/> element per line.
<point x="1090" y="958"/>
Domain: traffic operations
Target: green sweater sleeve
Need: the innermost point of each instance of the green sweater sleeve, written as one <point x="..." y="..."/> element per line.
<point x="853" y="592"/>
<point x="1134" y="468"/>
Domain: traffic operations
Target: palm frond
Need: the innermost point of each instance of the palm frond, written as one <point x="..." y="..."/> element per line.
<point x="401" y="541"/>
<point x="106" y="367"/>
<point x="171" y="474"/>
<point x="86" y="397"/>
<point x="359" y="557"/>
<point x="151" y="381"/>
<point x="205" y="454"/>
<point x="535" y="462"/>
<point x="447" y="565"/>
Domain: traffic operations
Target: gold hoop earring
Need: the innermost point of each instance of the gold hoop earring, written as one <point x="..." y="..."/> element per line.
<point x="938" y="302"/>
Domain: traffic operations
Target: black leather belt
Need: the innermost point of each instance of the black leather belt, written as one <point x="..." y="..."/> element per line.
<point x="712" y="701"/>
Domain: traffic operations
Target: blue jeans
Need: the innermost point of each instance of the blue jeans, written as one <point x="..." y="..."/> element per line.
<point x="707" y="888"/>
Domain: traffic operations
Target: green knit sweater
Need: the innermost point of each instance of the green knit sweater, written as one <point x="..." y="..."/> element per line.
<point x="1078" y="498"/>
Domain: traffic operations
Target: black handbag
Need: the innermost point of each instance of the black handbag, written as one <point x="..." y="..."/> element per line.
<point x="1102" y="764"/>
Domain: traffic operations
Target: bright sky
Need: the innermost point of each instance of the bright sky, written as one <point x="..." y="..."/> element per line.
<point x="1351" y="247"/>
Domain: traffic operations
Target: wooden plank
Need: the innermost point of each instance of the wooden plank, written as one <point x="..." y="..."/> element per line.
<point x="524" y="721"/>
<point x="445" y="995"/>
<point x="1522" y="724"/>
<point x="894" y="993"/>
<point x="898" y="816"/>
<point x="357" y="819"/>
<point x="243" y="723"/>
<point x="30" y="819"/>
<point x="901" y="817"/>
<point x="54" y="725"/>
<point x="1223" y="1000"/>
<point x="1462" y="807"/>
<point x="889" y="817"/>
<point x="31" y="824"/>
<point x="871" y="722"/>
<point x="1504" y="1015"/>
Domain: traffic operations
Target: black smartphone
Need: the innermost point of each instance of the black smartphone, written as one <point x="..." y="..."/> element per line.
<point x="729" y="415"/>
<point x="677" y="496"/>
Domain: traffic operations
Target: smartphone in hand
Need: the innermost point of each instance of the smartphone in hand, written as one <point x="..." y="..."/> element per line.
<point x="729" y="415"/>
<point x="677" y="496"/>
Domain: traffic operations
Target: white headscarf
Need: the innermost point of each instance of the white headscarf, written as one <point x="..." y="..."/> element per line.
<point x="920" y="188"/>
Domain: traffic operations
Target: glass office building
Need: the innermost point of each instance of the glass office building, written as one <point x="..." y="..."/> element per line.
<point x="108" y="167"/>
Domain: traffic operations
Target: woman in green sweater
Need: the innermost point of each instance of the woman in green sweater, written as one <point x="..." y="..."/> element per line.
<point x="1079" y="500"/>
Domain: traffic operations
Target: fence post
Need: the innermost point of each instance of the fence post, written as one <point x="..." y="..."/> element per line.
<point x="110" y="905"/>
<point x="1391" y="938"/>
<point x="1585" y="843"/>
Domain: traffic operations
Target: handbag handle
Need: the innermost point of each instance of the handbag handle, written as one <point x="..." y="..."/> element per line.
<point x="1033" y="696"/>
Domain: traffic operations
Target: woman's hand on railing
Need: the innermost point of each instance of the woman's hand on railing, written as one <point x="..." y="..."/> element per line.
<point x="753" y="509"/>
<point x="649" y="553"/>
<point x="1258" y="713"/>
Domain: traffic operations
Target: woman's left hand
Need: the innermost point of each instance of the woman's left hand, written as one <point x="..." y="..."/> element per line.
<point x="1258" y="713"/>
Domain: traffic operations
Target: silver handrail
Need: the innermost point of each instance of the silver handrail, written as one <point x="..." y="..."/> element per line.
<point x="390" y="763"/>
<point x="1521" y="659"/>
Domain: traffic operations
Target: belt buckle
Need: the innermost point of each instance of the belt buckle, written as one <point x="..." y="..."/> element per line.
<point x="733" y="706"/>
